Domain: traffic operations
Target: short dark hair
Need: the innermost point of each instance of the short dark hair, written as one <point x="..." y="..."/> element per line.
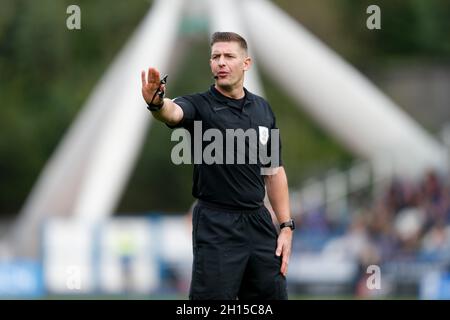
<point x="228" y="37"/>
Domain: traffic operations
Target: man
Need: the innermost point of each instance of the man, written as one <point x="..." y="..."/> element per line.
<point x="238" y="252"/>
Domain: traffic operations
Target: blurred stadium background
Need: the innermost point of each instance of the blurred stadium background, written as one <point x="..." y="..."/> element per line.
<point x="352" y="212"/>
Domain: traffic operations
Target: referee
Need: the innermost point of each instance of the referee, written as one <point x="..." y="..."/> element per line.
<point x="238" y="252"/>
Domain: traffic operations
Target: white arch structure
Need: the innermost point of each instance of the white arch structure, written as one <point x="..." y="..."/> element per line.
<point x="86" y="175"/>
<point x="338" y="96"/>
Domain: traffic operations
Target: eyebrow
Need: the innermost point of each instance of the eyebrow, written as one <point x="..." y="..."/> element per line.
<point x="225" y="53"/>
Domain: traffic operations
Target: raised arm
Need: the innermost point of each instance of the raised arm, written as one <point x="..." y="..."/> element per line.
<point x="170" y="113"/>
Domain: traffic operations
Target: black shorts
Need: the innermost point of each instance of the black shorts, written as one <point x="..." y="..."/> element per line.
<point x="234" y="255"/>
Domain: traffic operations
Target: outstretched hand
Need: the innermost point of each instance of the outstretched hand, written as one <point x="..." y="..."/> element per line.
<point x="150" y="85"/>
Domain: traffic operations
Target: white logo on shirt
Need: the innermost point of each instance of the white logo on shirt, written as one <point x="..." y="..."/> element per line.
<point x="263" y="135"/>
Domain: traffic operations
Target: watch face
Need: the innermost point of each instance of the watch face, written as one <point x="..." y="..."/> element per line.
<point x="292" y="224"/>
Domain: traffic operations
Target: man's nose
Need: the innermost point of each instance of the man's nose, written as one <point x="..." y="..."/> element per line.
<point x="221" y="61"/>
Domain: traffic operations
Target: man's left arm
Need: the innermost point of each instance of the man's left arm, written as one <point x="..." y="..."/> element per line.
<point x="278" y="193"/>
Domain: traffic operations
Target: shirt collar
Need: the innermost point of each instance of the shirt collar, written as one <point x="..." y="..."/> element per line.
<point x="229" y="101"/>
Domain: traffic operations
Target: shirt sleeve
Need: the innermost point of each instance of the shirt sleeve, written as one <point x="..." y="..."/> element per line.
<point x="274" y="127"/>
<point x="189" y="113"/>
<point x="274" y="133"/>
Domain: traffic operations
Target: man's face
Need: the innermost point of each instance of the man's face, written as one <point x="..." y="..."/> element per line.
<point x="229" y="62"/>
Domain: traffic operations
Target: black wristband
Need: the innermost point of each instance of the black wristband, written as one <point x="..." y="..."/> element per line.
<point x="155" y="107"/>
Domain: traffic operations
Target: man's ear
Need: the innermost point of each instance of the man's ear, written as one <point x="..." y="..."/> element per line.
<point x="247" y="63"/>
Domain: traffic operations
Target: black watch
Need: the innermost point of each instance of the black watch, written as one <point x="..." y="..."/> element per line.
<point x="290" y="224"/>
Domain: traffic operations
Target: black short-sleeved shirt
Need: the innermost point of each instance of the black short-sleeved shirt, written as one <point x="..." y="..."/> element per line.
<point x="232" y="186"/>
